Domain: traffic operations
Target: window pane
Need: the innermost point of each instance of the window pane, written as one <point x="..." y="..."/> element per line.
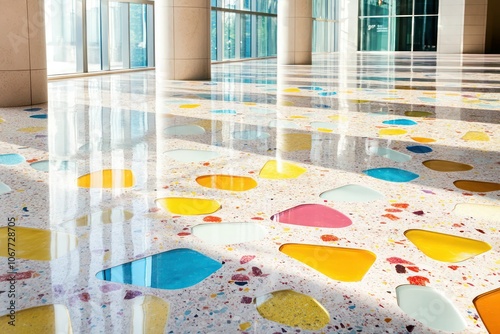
<point x="94" y="35"/>
<point x="271" y="36"/>
<point x="118" y="35"/>
<point x="232" y="4"/>
<point x="150" y="35"/>
<point x="213" y="37"/>
<point x="261" y="36"/>
<point x="402" y="34"/>
<point x="138" y="37"/>
<point x="425" y="34"/>
<point x="373" y="7"/>
<point x="229" y="36"/>
<point x="247" y="4"/>
<point x="426" y="7"/>
<point x="246" y="36"/>
<point x="64" y="36"/>
<point x="404" y="7"/>
<point x="373" y="34"/>
<point x="267" y="6"/>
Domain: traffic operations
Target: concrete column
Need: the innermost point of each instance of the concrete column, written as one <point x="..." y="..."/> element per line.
<point x="182" y="45"/>
<point x="295" y="32"/>
<point x="462" y="26"/>
<point x="23" y="59"/>
<point x="450" y="26"/>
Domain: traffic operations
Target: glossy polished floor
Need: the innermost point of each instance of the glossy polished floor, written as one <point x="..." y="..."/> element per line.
<point x="360" y="194"/>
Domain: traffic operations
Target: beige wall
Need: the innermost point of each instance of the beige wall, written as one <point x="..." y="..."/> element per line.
<point x="23" y="60"/>
<point x="475" y="26"/>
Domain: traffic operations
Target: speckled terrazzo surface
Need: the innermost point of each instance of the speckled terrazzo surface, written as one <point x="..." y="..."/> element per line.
<point x="367" y="121"/>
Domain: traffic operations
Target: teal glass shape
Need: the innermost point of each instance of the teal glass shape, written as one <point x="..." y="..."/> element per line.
<point x="175" y="269"/>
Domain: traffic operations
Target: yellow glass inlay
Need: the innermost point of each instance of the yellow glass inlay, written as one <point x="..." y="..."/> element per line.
<point x="291" y="90"/>
<point x="342" y="264"/>
<point x="36" y="244"/>
<point x="115" y="215"/>
<point x="107" y="178"/>
<point x="47" y="319"/>
<point x="210" y="125"/>
<point x="32" y="129"/>
<point x="487" y="307"/>
<point x="291" y="142"/>
<point x="293" y="309"/>
<point x="392" y="132"/>
<point x="477" y="186"/>
<point x="227" y="182"/>
<point x="423" y="139"/>
<point x="446" y="247"/>
<point x="414" y="113"/>
<point x="476" y="136"/>
<point x="189" y="106"/>
<point x="281" y="170"/>
<point x="446" y="166"/>
<point x="338" y="118"/>
<point x="149" y="315"/>
<point x="188" y="206"/>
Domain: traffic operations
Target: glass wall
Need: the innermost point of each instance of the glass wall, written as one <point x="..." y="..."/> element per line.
<point x="243" y="29"/>
<point x="64" y="27"/>
<point x="402" y="25"/>
<point x="94" y="45"/>
<point x="98" y="35"/>
<point x="325" y="25"/>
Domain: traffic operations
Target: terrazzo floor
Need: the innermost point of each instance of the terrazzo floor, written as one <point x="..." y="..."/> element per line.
<point x="360" y="194"/>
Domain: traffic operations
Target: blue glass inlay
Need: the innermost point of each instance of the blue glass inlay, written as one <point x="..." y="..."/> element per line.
<point x="322" y="106"/>
<point x="327" y="93"/>
<point x="419" y="149"/>
<point x="310" y="88"/>
<point x="405" y="122"/>
<point x="391" y="174"/>
<point x="42" y="166"/>
<point x="427" y="99"/>
<point x="11" y="159"/>
<point x="175" y="269"/>
<point x="32" y="109"/>
<point x="40" y="116"/>
<point x="224" y="111"/>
